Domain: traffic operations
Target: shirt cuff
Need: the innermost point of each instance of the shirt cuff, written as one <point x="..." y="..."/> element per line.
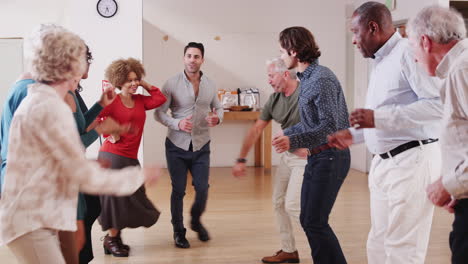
<point x="358" y="135"/>
<point x="453" y="186"/>
<point x="221" y="118"/>
<point x="175" y="124"/>
<point x="294" y="142"/>
<point x="379" y="119"/>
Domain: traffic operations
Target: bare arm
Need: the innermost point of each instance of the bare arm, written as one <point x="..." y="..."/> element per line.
<point x="254" y="132"/>
<point x="252" y="135"/>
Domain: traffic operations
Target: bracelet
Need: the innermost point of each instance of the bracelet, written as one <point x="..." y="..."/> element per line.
<point x="241" y="160"/>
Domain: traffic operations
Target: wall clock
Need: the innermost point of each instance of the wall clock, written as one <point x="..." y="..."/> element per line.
<point x="107" y="8"/>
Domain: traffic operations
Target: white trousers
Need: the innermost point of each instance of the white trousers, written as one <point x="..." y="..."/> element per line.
<point x="287" y="184"/>
<point x="41" y="246"/>
<point x="401" y="214"/>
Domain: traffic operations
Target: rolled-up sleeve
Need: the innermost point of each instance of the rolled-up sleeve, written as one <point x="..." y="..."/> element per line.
<point x="161" y="115"/>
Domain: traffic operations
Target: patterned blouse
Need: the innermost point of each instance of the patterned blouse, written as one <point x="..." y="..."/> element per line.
<point x="47" y="168"/>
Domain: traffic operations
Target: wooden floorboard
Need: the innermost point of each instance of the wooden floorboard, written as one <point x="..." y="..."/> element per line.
<point x="241" y="222"/>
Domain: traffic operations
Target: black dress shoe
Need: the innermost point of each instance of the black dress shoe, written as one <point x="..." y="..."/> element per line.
<point x="201" y="230"/>
<point x="180" y="241"/>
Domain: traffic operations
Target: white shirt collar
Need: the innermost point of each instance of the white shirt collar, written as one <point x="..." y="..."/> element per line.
<point x="388" y="46"/>
<point x="453" y="54"/>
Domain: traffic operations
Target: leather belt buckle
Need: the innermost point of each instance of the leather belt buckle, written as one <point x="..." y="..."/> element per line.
<point x="318" y="149"/>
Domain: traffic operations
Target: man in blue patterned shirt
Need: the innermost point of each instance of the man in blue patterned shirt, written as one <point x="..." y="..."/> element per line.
<point x="323" y="110"/>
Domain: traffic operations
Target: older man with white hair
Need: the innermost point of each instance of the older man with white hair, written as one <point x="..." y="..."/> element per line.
<point x="282" y="106"/>
<point x="437" y="36"/>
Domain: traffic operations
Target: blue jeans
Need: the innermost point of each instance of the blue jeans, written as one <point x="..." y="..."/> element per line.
<point x="323" y="177"/>
<point x="179" y="162"/>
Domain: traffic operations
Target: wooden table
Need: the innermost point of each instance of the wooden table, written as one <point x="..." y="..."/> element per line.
<point x="262" y="158"/>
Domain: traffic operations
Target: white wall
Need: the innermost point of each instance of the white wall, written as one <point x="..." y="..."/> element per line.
<point x="248" y="32"/>
<point x="11" y="54"/>
<point x="18" y="17"/>
<point x="108" y="38"/>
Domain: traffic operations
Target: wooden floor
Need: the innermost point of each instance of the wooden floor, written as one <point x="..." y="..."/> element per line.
<point x="242" y="225"/>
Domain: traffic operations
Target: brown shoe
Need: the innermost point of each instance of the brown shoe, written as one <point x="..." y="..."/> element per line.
<point x="112" y="246"/>
<point x="282" y="257"/>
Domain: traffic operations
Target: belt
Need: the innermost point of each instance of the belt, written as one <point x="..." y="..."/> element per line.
<point x="318" y="149"/>
<point x="406" y="146"/>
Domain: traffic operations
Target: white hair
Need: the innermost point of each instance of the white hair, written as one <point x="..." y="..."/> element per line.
<point x="55" y="54"/>
<point x="440" y="24"/>
<point x="33" y="40"/>
<point x="279" y="66"/>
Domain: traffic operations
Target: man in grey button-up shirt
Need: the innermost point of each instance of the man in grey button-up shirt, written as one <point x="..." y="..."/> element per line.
<point x="194" y="104"/>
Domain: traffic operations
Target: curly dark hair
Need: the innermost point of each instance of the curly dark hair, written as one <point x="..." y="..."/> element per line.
<point x="117" y="72"/>
<point x="301" y="41"/>
<point x="89" y="55"/>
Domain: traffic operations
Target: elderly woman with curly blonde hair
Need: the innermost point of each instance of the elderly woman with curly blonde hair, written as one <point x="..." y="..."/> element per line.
<point x="46" y="161"/>
<point x="135" y="210"/>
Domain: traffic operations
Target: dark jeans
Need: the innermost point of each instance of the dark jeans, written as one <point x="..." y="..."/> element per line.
<point x="459" y="234"/>
<point x="93" y="210"/>
<point x="179" y="162"/>
<point x="323" y="177"/>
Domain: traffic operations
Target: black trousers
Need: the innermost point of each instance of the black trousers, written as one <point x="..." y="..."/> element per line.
<point x="459" y="235"/>
<point x="93" y="210"/>
<point x="179" y="163"/>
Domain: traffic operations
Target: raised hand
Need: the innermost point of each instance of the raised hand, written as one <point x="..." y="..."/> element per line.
<point x="145" y="85"/>
<point x="108" y="96"/>
<point x="186" y="124"/>
<point x="212" y="118"/>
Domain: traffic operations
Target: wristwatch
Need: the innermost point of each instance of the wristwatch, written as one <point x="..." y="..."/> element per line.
<point x="241" y="160"/>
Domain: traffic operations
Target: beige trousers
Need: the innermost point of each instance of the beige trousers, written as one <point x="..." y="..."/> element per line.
<point x="41" y="246"/>
<point x="287" y="184"/>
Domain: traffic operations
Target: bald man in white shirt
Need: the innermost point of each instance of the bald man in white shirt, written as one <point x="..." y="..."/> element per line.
<point x="400" y="126"/>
